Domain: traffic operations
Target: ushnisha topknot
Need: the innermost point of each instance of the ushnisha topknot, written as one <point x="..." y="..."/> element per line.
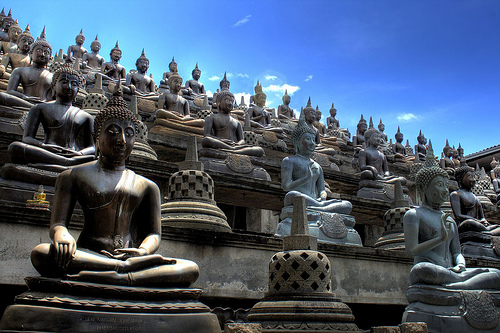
<point x="142" y="57"/>
<point x="66" y="68"/>
<point x="41" y="41"/>
<point x="116" y="108"/>
<point x="461" y="171"/>
<point x="223" y="93"/>
<point x="299" y="130"/>
<point x="196" y="69"/>
<point x="430" y="170"/>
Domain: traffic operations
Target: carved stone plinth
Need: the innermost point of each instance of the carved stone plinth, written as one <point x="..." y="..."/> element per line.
<point x="29" y="174"/>
<point x="378" y="190"/>
<point x="53" y="305"/>
<point x="225" y="162"/>
<point x="393" y="237"/>
<point x="489" y="249"/>
<point x="451" y="310"/>
<point x="327" y="227"/>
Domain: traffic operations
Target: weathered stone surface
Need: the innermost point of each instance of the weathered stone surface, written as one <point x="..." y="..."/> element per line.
<point x="243" y="328"/>
<point x="413" y="328"/>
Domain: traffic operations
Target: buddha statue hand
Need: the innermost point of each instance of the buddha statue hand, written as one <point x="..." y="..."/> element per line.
<point x="322" y="196"/>
<point x="125" y="253"/>
<point x="458" y="268"/>
<point x="61" y="150"/>
<point x="64" y="246"/>
<point x="445" y="226"/>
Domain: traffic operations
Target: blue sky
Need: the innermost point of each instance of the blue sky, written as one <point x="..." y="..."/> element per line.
<point x="423" y="65"/>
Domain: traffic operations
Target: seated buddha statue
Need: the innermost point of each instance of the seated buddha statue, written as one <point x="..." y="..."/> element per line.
<point x="63" y="125"/>
<point x="420" y="148"/>
<point x="143" y="84"/>
<point x="398" y="149"/>
<point x="7" y="21"/>
<point x="331" y="121"/>
<point x="359" y="138"/>
<point x="11" y="45"/>
<point x="194" y="87"/>
<point x="173" y="109"/>
<point x="112" y="69"/>
<point x="468" y="210"/>
<point x="77" y="50"/>
<point x="223" y="132"/>
<point x="260" y="115"/>
<point x="112" y="248"/>
<point x="93" y="59"/>
<point x="35" y="80"/>
<point x="172" y="67"/>
<point x="496" y="182"/>
<point x="285" y="112"/>
<point x="373" y="163"/>
<point x="431" y="237"/>
<point x="317" y="123"/>
<point x="310" y="119"/>
<point x="381" y="129"/>
<point x="446" y="163"/>
<point x="21" y="57"/>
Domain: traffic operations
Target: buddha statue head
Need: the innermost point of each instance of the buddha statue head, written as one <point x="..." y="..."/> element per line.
<point x="174" y="83"/>
<point x="66" y="81"/>
<point x="257" y="88"/>
<point x="172" y="66"/>
<point x="142" y="63"/>
<point x="41" y="50"/>
<point x="362" y="126"/>
<point x="398" y="136"/>
<point x="333" y="111"/>
<point x="116" y="53"/>
<point x="447" y="150"/>
<point x="14" y="32"/>
<point x="196" y="73"/>
<point x="80" y="38"/>
<point x="421" y="138"/>
<point x="381" y="126"/>
<point x="95" y="46"/>
<point x="225" y="101"/>
<point x="317" y="113"/>
<point x="460" y="151"/>
<point x="224" y="83"/>
<point x="309" y="113"/>
<point x="303" y="137"/>
<point x="286" y="98"/>
<point x="260" y="99"/>
<point x="373" y="138"/>
<point x="432" y="181"/>
<point x="25" y="40"/>
<point x="7" y="22"/>
<point x="465" y="176"/>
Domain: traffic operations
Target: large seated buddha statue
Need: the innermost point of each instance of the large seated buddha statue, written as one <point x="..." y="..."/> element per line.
<point x="143" y="85"/>
<point x="35" y="80"/>
<point x="115" y="251"/>
<point x="375" y="175"/>
<point x="93" y="59"/>
<point x="77" y="50"/>
<point x="223" y="132"/>
<point x="329" y="219"/>
<point x="112" y="69"/>
<point x="399" y="151"/>
<point x="67" y="134"/>
<point x="195" y="87"/>
<point x="173" y="109"/>
<point x="444" y="293"/>
<point x="477" y="235"/>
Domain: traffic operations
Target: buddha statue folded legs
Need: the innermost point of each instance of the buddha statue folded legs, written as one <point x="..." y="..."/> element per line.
<point x="329" y="220"/>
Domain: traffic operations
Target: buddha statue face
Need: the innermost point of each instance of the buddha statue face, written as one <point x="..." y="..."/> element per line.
<point x="95" y="47"/>
<point x="436" y="192"/>
<point x="196" y="74"/>
<point x="24" y="43"/>
<point x="381" y="127"/>
<point x="80" y="39"/>
<point x="41" y="54"/>
<point x="172" y="67"/>
<point x="318" y="115"/>
<point x="333" y="112"/>
<point x="421" y="139"/>
<point x="447" y="151"/>
<point x="260" y="99"/>
<point x="454" y="153"/>
<point x="14" y="33"/>
<point x="7" y="22"/>
<point x="226" y="103"/>
<point x="142" y="66"/>
<point x="286" y="99"/>
<point x="399" y="137"/>
<point x="175" y="84"/>
<point x="362" y="128"/>
<point x="116" y="139"/>
<point x="469" y="180"/>
<point x="309" y="115"/>
<point x="116" y="55"/>
<point x="67" y="86"/>
<point x="375" y="139"/>
<point x="306" y="144"/>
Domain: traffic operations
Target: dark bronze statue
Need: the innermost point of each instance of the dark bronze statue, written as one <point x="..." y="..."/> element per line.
<point x="11" y="45"/>
<point x="317" y="123"/>
<point x="21" y="57"/>
<point x="331" y="121"/>
<point x="194" y="86"/>
<point x="144" y="85"/>
<point x="93" y="59"/>
<point x="285" y="112"/>
<point x="6" y="24"/>
<point x="122" y="224"/>
<point x="113" y="69"/>
<point x="359" y="138"/>
<point x="62" y="124"/>
<point x="446" y="163"/>
<point x="77" y="51"/>
<point x="420" y="148"/>
<point x="381" y="129"/>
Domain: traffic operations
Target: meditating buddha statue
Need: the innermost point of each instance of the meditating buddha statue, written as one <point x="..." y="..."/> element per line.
<point x="496" y="182"/>
<point x="381" y="129"/>
<point x="439" y="280"/>
<point x="285" y="112"/>
<point x="21" y="57"/>
<point x="172" y="67"/>
<point x="112" y="248"/>
<point x="195" y="87"/>
<point x="331" y="121"/>
<point x="11" y="46"/>
<point x="260" y="115"/>
<point x="142" y="83"/>
<point x="359" y="138"/>
<point x="302" y="176"/>
<point x="420" y="148"/>
<point x="113" y="69"/>
<point x="6" y="24"/>
<point x="446" y="163"/>
<point x="223" y="132"/>
<point x="35" y="80"/>
<point x="77" y="51"/>
<point x="93" y="59"/>
<point x="333" y="126"/>
<point x="173" y="109"/>
<point x="224" y="84"/>
<point x="317" y="123"/>
<point x="63" y="124"/>
<point x="399" y="150"/>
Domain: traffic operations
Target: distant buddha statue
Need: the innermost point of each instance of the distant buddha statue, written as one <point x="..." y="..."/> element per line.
<point x="446" y="163"/>
<point x="11" y="46"/>
<point x="93" y="59"/>
<point x="317" y="123"/>
<point x="372" y="162"/>
<point x="6" y="24"/>
<point x="398" y="149"/>
<point x="467" y="208"/>
<point x="359" y="138"/>
<point x="173" y="109"/>
<point x="113" y="69"/>
<point x="496" y="182"/>
<point x="285" y="112"/>
<point x="222" y="131"/>
<point x="224" y="85"/>
<point x="194" y="86"/>
<point x="381" y="129"/>
<point x="21" y="57"/>
<point x="63" y="125"/>
<point x="172" y="67"/>
<point x="35" y="80"/>
<point x="260" y="115"/>
<point x="331" y="121"/>
<point x="420" y="148"/>
<point x="77" y="51"/>
<point x="143" y="84"/>
<point x="122" y="220"/>
<point x="431" y="236"/>
<point x="455" y="157"/>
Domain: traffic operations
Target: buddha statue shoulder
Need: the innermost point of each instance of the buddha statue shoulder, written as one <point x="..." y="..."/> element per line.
<point x="117" y="249"/>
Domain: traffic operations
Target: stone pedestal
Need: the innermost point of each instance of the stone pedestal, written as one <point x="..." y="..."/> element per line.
<point x="451" y="310"/>
<point x="378" y="190"/>
<point x="393" y="237"/>
<point x="53" y="305"/>
<point x="234" y="164"/>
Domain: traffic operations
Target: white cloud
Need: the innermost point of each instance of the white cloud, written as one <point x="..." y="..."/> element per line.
<point x="281" y="89"/>
<point x="242" y="21"/>
<point x="271" y="77"/>
<point x="214" y="78"/>
<point x="229" y="75"/>
<point x="237" y="97"/>
<point x="407" y="117"/>
<point x="246" y="76"/>
<point x="309" y="78"/>
<point x="209" y="93"/>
